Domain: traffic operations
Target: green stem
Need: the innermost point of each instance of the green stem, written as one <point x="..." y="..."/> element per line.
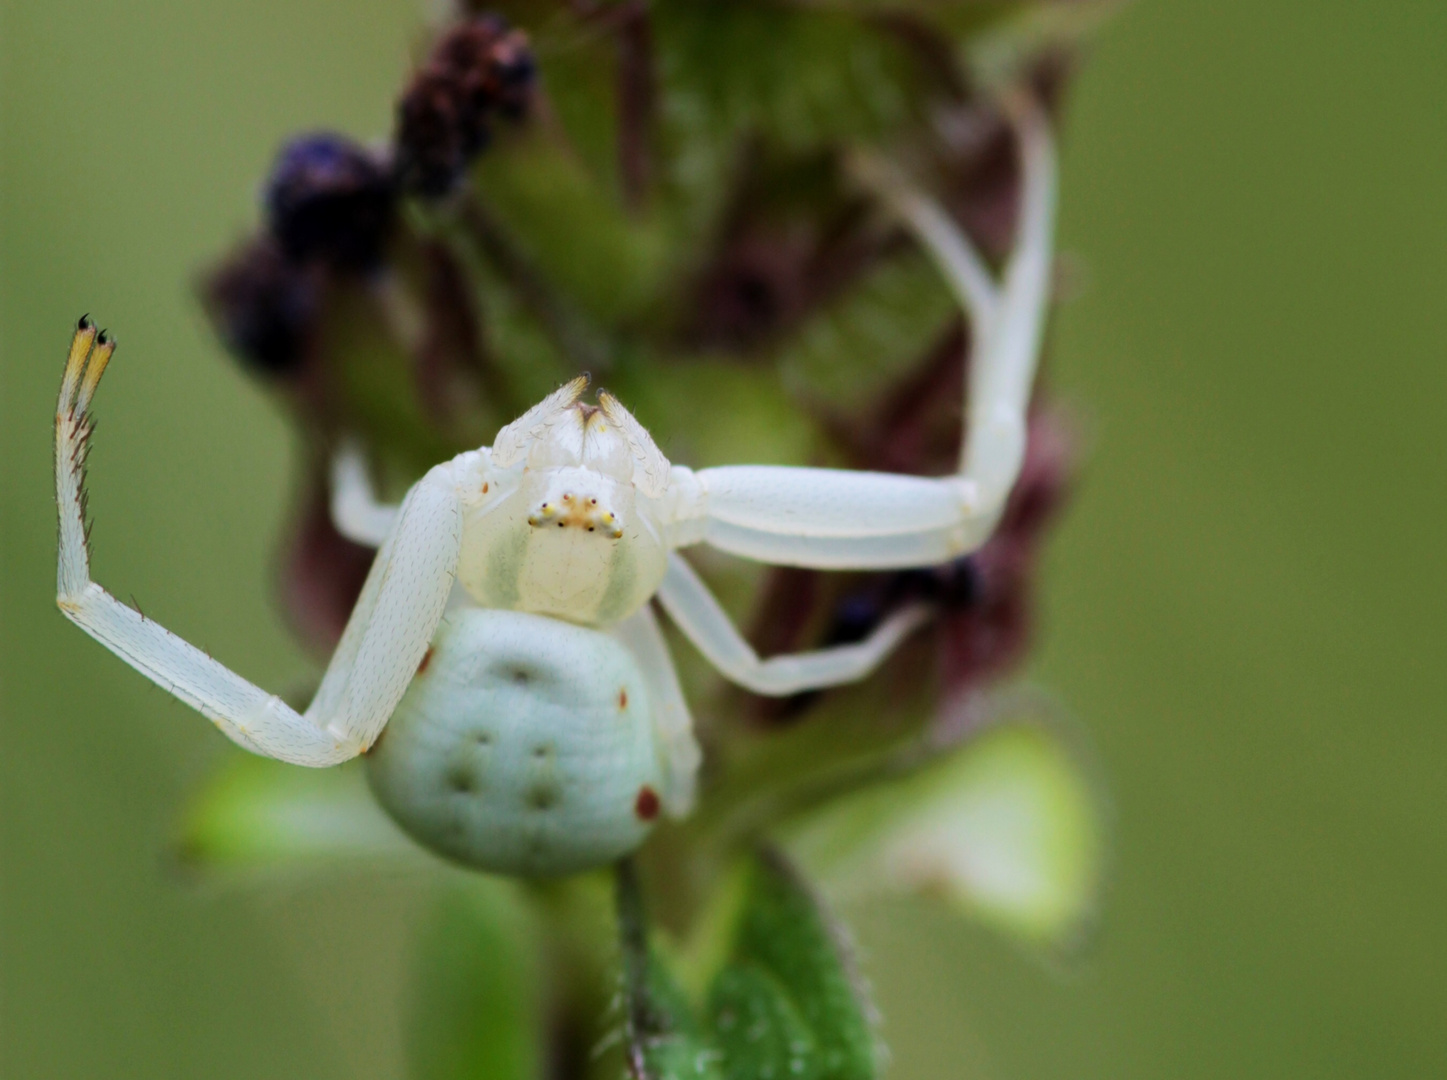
<point x="640" y="1019"/>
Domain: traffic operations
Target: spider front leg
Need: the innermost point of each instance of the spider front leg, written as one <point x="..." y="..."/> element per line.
<point x="398" y="612"/>
<point x="839" y="519"/>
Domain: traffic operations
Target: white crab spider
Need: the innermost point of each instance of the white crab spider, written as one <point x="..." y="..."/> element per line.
<point x="504" y="637"/>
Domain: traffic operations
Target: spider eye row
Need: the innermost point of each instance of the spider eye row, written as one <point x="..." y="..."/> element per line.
<point x="575" y="513"/>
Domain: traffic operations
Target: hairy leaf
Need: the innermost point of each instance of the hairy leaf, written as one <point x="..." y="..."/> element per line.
<point x="789" y="1002"/>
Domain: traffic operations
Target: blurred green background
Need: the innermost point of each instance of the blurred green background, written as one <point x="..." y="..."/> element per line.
<point x="1245" y="608"/>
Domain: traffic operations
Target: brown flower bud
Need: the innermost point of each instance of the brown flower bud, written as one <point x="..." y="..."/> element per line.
<point x="330" y="200"/>
<point x="478" y="69"/>
<point x="264" y="306"/>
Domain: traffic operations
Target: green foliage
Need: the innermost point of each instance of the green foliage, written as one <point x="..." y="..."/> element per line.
<point x="854" y="350"/>
<point x="573" y="227"/>
<point x="257" y="814"/>
<point x="825" y="75"/>
<point x="789" y="1002"/>
<point x="666" y="1039"/>
<point x="475" y="1011"/>
<point x="1008" y="828"/>
<point x="758" y="1028"/>
<point x="785" y="1003"/>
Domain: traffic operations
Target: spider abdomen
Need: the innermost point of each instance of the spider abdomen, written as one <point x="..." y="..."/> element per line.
<point x="523" y="746"/>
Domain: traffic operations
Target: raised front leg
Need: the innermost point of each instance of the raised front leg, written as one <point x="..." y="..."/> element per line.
<point x="834" y="519"/>
<point x="695" y="611"/>
<point x="394" y="620"/>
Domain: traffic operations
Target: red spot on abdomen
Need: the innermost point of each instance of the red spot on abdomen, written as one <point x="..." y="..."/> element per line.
<point x="426" y="659"/>
<point x="646" y="805"/>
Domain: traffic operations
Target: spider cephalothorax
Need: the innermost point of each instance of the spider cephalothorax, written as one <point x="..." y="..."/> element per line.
<point x="566" y="520"/>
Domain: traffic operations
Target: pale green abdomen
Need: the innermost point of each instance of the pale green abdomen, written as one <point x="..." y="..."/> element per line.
<point x="524" y="746"/>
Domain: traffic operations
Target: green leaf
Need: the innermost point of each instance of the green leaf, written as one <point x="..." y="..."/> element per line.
<point x="785" y="1003"/>
<point x="789" y="1003"/>
<point x="259" y="814"/>
<point x="674" y="1045"/>
<point x="802" y="76"/>
<point x="475" y="1013"/>
<point x="997" y="53"/>
<point x="572" y="227"/>
<point x="758" y="1028"/>
<point x="872" y="337"/>
<point x="1009" y="828"/>
<point x="663" y="1037"/>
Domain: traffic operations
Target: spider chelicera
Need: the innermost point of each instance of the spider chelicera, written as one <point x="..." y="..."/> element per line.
<point x="504" y="639"/>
